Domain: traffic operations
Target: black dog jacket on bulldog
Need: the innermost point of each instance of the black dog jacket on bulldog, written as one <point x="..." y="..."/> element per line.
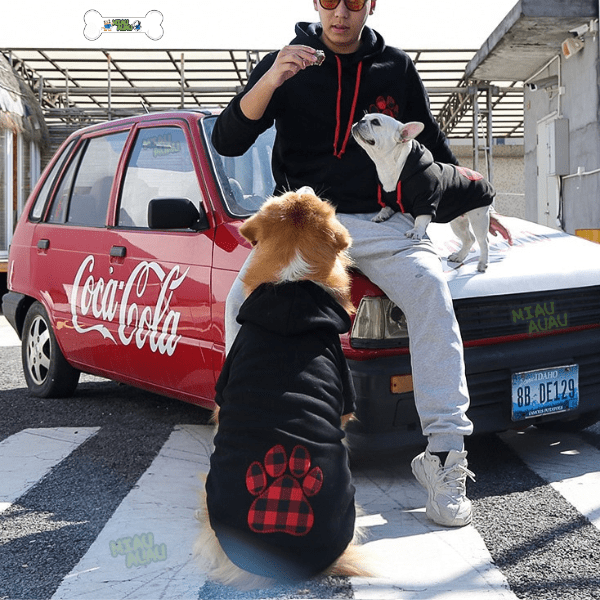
<point x="279" y="490"/>
<point x="441" y="190"/>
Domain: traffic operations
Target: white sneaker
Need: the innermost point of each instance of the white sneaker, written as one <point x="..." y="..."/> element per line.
<point x="447" y="503"/>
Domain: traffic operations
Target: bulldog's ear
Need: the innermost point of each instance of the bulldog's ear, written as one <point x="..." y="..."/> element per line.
<point x="411" y="130"/>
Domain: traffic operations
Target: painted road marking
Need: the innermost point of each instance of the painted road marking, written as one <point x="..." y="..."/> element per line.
<point x="566" y="462"/>
<point x="145" y="549"/>
<point x="154" y="525"/>
<point x="418" y="559"/>
<point x="8" y="336"/>
<point x="29" y="455"/>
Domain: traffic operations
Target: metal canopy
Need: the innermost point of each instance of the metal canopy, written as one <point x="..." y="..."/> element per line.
<point x="528" y="37"/>
<point x="80" y="86"/>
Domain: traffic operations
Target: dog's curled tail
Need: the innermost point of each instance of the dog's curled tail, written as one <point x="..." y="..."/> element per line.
<point x="212" y="558"/>
<point x="356" y="561"/>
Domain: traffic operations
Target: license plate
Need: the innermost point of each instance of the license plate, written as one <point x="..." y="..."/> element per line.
<point x="544" y="391"/>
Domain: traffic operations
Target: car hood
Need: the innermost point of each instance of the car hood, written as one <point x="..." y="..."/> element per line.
<point x="539" y="259"/>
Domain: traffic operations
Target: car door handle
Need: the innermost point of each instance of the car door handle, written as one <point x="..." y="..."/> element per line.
<point x="43" y="244"/>
<point x="118" y="251"/>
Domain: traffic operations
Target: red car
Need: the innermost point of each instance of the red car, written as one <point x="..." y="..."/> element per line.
<point x="124" y="255"/>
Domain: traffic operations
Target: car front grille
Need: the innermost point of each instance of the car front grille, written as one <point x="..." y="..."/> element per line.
<point x="530" y="314"/>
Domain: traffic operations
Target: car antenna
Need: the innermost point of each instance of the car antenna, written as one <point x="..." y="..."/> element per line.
<point x="145" y="107"/>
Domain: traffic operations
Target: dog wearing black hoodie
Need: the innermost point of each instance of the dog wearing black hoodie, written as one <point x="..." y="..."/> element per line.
<point x="279" y="494"/>
<point x="430" y="191"/>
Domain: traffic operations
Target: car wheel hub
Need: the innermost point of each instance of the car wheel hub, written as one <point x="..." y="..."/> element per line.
<point x="38" y="351"/>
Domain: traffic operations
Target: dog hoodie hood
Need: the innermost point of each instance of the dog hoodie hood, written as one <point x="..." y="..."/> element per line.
<point x="293" y="308"/>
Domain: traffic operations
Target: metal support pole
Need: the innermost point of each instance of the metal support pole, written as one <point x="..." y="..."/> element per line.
<point x="475" y="132"/>
<point x="490" y="138"/>
<point x="182" y="81"/>
<point x="252" y="59"/>
<point x="108" y="64"/>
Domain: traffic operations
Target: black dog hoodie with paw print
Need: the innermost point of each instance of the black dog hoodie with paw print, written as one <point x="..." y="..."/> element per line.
<point x="279" y="492"/>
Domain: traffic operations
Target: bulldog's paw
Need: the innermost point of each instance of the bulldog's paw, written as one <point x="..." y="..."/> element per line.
<point x="282" y="506"/>
<point x="415" y="234"/>
<point x="383" y="215"/>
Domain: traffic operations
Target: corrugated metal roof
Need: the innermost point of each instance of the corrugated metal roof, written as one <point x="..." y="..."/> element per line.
<point x="81" y="86"/>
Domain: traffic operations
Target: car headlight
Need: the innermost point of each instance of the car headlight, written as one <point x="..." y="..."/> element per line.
<point x="379" y="323"/>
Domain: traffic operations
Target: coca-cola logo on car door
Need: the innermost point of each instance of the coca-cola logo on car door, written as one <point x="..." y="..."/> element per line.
<point x="152" y="323"/>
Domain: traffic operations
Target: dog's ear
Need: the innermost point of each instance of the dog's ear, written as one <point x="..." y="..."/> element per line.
<point x="250" y="230"/>
<point x="342" y="237"/>
<point x="409" y="131"/>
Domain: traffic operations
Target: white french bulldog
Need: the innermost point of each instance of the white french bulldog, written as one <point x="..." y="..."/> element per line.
<point x="430" y="190"/>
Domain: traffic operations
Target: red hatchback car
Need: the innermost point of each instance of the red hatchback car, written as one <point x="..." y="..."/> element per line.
<point x="124" y="255"/>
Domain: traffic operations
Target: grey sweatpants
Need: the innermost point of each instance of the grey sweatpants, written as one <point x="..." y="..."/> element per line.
<point x="410" y="274"/>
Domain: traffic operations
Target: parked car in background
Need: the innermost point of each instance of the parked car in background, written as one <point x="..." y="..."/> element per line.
<point x="122" y="260"/>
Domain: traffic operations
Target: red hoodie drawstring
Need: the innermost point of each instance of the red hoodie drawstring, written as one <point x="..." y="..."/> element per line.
<point x="339" y="153"/>
<point x="398" y="196"/>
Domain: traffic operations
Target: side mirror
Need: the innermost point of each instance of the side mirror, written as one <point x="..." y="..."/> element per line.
<point x="176" y="213"/>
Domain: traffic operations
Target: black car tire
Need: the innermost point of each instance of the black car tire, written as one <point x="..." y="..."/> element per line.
<point x="47" y="372"/>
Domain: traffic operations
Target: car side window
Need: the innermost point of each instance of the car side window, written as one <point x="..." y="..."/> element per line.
<point x="160" y="166"/>
<point x="60" y="204"/>
<point x="91" y="191"/>
<point x="40" y="202"/>
<point x="84" y="193"/>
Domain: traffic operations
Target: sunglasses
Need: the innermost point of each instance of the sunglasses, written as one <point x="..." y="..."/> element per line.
<point x="353" y="5"/>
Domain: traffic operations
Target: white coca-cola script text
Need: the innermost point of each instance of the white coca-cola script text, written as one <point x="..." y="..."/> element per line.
<point x="138" y="320"/>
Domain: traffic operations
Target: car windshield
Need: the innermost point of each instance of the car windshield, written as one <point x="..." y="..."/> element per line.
<point x="246" y="181"/>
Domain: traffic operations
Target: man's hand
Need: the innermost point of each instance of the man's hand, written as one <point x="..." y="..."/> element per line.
<point x="289" y="62"/>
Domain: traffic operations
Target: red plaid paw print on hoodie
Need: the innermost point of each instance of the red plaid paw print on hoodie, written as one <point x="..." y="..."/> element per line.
<point x="282" y="506"/>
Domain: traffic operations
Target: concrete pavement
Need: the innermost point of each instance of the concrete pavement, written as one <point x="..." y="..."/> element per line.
<point x="8" y="336"/>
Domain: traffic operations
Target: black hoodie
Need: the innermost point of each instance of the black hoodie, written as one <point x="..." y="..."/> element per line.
<point x="440" y="190"/>
<point x="279" y="490"/>
<point x="314" y="110"/>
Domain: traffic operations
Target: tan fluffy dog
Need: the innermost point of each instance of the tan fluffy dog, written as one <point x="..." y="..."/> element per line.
<point x="279" y="502"/>
<point x="300" y="238"/>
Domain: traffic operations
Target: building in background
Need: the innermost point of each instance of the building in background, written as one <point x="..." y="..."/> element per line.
<point x="552" y="46"/>
<point x="23" y="134"/>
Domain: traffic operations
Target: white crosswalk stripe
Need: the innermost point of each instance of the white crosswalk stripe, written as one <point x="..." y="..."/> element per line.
<point x="145" y="548"/>
<point x="30" y="454"/>
<point x="405" y="542"/>
<point x="8" y="336"/>
<point x="157" y="513"/>
<point x="567" y="463"/>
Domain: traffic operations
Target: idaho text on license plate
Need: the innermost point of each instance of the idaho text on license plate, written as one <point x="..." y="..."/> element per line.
<point x="545" y="391"/>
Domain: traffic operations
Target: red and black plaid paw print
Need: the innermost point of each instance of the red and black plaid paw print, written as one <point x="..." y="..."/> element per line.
<point x="283" y="506"/>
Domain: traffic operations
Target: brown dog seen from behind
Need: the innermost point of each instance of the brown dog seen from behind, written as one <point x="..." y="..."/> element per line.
<point x="297" y="236"/>
<point x="279" y="501"/>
